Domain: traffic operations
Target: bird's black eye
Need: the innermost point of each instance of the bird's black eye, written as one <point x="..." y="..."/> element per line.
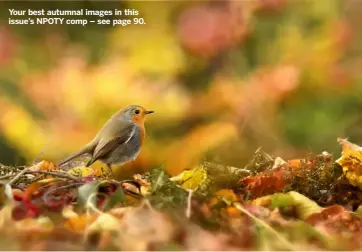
<point x="137" y="112"/>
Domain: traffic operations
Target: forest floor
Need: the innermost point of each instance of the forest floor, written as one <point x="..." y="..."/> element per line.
<point x="270" y="204"/>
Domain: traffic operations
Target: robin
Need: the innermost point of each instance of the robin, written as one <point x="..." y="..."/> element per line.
<point x="120" y="139"/>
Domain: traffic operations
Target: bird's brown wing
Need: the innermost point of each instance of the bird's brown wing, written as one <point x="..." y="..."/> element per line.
<point x="107" y="144"/>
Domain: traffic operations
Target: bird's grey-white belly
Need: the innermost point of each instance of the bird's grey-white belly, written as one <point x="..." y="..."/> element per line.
<point x="126" y="152"/>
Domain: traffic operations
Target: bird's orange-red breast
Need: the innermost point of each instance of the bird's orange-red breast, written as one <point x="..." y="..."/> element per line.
<point x="139" y="119"/>
<point x="120" y="139"/>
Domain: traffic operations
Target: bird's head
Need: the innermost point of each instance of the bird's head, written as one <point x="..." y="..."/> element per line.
<point x="136" y="113"/>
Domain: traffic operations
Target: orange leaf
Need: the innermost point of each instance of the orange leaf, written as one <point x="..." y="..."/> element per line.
<point x="267" y="182"/>
<point x="29" y="192"/>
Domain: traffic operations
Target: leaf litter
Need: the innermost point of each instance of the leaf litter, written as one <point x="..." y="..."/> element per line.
<point x="311" y="203"/>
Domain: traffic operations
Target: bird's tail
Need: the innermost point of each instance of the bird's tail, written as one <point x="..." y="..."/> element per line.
<point x="85" y="150"/>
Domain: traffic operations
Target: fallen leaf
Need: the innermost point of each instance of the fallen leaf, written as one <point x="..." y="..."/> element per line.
<point x="86" y="190"/>
<point x="191" y="179"/>
<point x="351" y="162"/>
<point x="303" y="205"/>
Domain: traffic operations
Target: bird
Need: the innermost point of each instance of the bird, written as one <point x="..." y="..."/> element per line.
<point x="119" y="141"/>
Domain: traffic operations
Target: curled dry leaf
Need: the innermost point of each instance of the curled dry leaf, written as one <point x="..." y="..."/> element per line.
<point x="131" y="189"/>
<point x="304" y="206"/>
<point x="144" y="183"/>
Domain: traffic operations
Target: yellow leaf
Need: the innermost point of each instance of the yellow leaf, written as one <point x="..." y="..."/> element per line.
<point x="82" y="171"/>
<point x="351" y="162"/>
<point x="191" y="179"/>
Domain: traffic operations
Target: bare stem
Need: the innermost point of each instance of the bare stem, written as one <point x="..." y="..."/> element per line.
<point x="56" y="174"/>
<point x="7" y="176"/>
<point x="18" y="175"/>
<point x="188" y="209"/>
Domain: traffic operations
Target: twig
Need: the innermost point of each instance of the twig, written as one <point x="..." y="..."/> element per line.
<point x="57" y="174"/>
<point x="238" y="206"/>
<point x="188" y="209"/>
<point x="19" y="175"/>
<point x="7" y="176"/>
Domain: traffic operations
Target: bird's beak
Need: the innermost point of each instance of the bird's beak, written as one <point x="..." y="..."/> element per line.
<point x="148" y="112"/>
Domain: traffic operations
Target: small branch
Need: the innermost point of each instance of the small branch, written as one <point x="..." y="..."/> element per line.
<point x="19" y="175"/>
<point x="7" y="176"/>
<point x="56" y="174"/>
<point x="188" y="209"/>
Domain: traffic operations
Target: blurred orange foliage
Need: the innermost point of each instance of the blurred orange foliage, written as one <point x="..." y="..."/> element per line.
<point x="208" y="69"/>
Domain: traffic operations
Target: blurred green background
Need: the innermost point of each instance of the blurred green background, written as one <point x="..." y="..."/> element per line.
<point x="224" y="77"/>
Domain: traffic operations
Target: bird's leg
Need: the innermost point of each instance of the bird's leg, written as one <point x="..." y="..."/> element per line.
<point x="110" y="168"/>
